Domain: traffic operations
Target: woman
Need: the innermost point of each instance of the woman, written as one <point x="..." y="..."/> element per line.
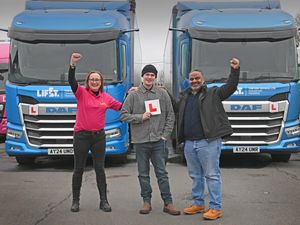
<point x="89" y="134"/>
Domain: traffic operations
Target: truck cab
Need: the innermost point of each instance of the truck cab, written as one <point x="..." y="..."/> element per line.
<point x="264" y="111"/>
<point x="41" y="106"/>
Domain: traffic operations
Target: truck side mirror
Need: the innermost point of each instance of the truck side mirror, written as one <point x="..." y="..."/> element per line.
<point x="1" y="77"/>
<point x="3" y="70"/>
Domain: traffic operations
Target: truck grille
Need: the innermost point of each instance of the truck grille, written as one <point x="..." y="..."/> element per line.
<point x="255" y="122"/>
<point x="49" y="125"/>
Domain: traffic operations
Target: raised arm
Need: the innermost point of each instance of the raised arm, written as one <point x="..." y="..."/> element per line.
<point x="231" y="85"/>
<point x="75" y="57"/>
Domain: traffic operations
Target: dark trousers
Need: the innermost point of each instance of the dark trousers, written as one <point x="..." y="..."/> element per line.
<point x="83" y="142"/>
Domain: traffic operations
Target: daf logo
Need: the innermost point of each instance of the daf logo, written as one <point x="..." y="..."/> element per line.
<point x="61" y="110"/>
<point x="51" y="93"/>
<point x="245" y="107"/>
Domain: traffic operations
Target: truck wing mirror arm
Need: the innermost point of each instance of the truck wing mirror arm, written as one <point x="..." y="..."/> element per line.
<point x="176" y="29"/>
<point x="131" y="30"/>
<point x="5" y="30"/>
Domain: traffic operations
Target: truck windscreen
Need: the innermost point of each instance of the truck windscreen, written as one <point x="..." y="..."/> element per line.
<point x="49" y="62"/>
<point x="261" y="61"/>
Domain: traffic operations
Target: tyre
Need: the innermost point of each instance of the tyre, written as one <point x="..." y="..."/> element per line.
<point x="22" y="160"/>
<point x="182" y="158"/>
<point x="175" y="145"/>
<point x="281" y="157"/>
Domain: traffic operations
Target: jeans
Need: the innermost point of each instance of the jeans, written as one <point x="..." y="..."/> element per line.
<point x="203" y="159"/>
<point x="83" y="142"/>
<point x="156" y="153"/>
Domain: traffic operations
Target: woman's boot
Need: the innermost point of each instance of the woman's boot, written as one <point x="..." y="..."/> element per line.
<point x="104" y="205"/>
<point x="75" y="203"/>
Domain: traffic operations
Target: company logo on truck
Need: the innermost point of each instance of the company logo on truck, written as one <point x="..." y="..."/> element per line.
<point x="60" y="110"/>
<point x="49" y="93"/>
<point x="245" y="107"/>
<point x="254" y="107"/>
<point x="239" y="91"/>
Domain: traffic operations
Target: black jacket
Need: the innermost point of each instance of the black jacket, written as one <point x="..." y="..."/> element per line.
<point x="214" y="119"/>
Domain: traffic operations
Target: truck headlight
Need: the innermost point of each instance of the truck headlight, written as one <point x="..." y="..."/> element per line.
<point x="113" y="133"/>
<point x="292" y="131"/>
<point x="13" y="134"/>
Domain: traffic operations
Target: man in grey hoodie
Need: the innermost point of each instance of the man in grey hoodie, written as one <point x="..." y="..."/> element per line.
<point x="150" y="114"/>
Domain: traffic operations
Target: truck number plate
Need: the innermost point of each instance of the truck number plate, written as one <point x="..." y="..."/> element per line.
<point x="246" y="149"/>
<point x="60" y="151"/>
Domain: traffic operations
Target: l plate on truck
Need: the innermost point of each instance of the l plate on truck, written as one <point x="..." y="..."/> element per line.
<point x="246" y="149"/>
<point x="60" y="151"/>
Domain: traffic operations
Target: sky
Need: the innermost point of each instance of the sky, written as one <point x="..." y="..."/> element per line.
<point x="153" y="20"/>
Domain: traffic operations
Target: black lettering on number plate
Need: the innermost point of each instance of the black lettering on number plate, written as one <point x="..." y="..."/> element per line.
<point x="246" y="149"/>
<point x="60" y="151"/>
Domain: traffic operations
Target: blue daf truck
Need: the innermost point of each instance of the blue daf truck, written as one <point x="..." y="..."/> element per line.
<point x="264" y="111"/>
<point x="41" y="107"/>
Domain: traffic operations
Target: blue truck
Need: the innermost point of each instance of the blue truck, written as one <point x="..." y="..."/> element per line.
<point x="41" y="107"/>
<point x="264" y="111"/>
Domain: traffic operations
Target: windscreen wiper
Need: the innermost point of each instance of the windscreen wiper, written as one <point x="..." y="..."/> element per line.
<point x="218" y="80"/>
<point x="269" y="78"/>
<point x="26" y="83"/>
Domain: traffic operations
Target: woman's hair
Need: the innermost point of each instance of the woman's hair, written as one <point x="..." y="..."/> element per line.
<point x="88" y="77"/>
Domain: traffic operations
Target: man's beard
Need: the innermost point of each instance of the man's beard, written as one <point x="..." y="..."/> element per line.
<point x="196" y="88"/>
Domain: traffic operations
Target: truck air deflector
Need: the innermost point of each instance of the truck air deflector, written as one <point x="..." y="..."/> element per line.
<point x="64" y="35"/>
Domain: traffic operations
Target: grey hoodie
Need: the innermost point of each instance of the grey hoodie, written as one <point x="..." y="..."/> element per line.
<point x="157" y="126"/>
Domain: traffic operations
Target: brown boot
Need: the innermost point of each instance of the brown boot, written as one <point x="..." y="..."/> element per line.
<point x="194" y="209"/>
<point x="212" y="214"/>
<point x="169" y="208"/>
<point x="146" y="208"/>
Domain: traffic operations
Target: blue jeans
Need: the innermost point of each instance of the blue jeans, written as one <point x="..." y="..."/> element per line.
<point x="157" y="153"/>
<point x="203" y="159"/>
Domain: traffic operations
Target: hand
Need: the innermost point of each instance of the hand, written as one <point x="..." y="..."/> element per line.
<point x="163" y="87"/>
<point x="133" y="89"/>
<point x="75" y="57"/>
<point x="235" y="63"/>
<point x="146" y="116"/>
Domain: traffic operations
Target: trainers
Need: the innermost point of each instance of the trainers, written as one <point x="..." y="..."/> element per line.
<point x="169" y="208"/>
<point x="212" y="214"/>
<point x="194" y="209"/>
<point x="146" y="208"/>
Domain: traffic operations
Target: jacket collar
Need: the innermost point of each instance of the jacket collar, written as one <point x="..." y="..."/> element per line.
<point x="144" y="90"/>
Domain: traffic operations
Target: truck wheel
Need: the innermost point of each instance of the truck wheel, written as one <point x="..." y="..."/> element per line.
<point x="182" y="158"/>
<point x="174" y="144"/>
<point x="281" y="157"/>
<point x="25" y="160"/>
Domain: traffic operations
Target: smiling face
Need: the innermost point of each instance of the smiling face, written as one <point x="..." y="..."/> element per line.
<point x="94" y="81"/>
<point x="148" y="79"/>
<point x="196" y="80"/>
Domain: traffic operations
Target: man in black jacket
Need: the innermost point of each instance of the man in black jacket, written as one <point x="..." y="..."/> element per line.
<point x="202" y="122"/>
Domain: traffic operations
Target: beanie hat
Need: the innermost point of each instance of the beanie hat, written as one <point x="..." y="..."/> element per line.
<point x="149" y="69"/>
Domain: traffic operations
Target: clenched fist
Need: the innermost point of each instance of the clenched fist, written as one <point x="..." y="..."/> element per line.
<point x="75" y="57"/>
<point x="235" y="63"/>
